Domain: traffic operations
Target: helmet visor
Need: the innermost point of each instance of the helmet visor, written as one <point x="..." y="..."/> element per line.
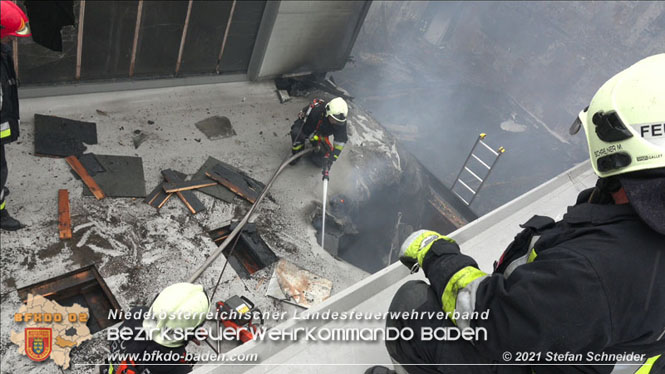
<point x="23" y="29"/>
<point x="339" y="118"/>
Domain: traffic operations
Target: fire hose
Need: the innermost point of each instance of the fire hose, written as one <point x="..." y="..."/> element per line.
<point x="244" y="220"/>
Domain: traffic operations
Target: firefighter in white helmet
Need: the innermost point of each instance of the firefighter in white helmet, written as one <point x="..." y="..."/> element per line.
<point x="317" y="122"/>
<point x="588" y="290"/>
<point x="178" y="310"/>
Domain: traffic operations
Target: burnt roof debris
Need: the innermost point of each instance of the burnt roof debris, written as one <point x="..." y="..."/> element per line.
<point x="62" y="137"/>
<point x="303" y="86"/>
<point x="251" y="253"/>
<point x="216" y="127"/>
<point x="292" y="284"/>
<point x="117" y="176"/>
<point x="235" y="180"/>
<point x="85" y="287"/>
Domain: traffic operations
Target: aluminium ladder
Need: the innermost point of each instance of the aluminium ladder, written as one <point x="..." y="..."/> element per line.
<point x="479" y="181"/>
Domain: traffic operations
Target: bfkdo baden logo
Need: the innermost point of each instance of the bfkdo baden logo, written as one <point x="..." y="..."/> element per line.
<point x="38" y="343"/>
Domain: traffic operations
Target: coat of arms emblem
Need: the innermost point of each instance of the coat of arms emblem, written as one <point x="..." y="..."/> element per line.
<point x="38" y="343"/>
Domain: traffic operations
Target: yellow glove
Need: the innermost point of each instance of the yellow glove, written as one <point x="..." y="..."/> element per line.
<point x="416" y="246"/>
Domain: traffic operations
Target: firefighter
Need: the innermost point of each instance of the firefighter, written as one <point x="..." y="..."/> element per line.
<point x="590" y="285"/>
<point x="179" y="306"/>
<point x="317" y="122"/>
<point x="14" y="24"/>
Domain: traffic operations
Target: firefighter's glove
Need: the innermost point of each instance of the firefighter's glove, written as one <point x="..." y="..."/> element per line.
<point x="415" y="247"/>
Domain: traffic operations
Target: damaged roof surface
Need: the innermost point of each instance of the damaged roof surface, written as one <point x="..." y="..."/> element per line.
<point x="140" y="250"/>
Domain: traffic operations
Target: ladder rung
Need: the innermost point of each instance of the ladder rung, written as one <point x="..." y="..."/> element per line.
<point x="472" y="173"/>
<point x="481" y="161"/>
<point x="464" y="184"/>
<point x="488" y="147"/>
<point x="461" y="198"/>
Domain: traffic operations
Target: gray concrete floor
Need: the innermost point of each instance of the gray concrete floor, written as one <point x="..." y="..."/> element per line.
<point x="139" y="250"/>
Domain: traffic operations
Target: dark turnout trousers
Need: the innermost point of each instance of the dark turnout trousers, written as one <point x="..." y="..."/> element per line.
<point x="440" y="356"/>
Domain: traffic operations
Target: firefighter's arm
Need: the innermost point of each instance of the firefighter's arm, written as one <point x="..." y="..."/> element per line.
<point x="554" y="304"/>
<point x="341" y="137"/>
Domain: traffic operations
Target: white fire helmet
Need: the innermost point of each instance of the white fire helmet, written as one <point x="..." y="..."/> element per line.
<point x="337" y="109"/>
<point x="179" y="306"/>
<point x="625" y="121"/>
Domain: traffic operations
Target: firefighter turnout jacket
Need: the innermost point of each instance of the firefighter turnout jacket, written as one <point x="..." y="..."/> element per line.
<point x="9" y="114"/>
<point x="590" y="285"/>
<point x="318" y="128"/>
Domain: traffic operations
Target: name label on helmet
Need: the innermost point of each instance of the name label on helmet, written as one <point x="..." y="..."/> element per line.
<point x="652" y="130"/>
<point x="607" y="150"/>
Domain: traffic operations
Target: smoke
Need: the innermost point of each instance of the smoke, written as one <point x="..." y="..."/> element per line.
<point x="436" y="74"/>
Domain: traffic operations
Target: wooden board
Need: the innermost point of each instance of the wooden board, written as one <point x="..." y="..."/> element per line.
<point x="217" y="191"/>
<point x="64" y="220"/>
<point x="85" y="177"/>
<point x="242" y="185"/>
<point x="157" y="198"/>
<point x="188" y="185"/>
<point x="188" y="198"/>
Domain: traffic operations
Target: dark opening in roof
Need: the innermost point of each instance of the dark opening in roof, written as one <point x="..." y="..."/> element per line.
<point x="84" y="287"/>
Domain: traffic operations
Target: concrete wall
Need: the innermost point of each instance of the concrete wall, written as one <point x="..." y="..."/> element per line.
<point x="306" y="36"/>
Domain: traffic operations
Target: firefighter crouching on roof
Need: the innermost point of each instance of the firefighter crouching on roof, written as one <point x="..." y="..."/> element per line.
<point x="180" y="299"/>
<point x="14" y="24"/>
<point x="591" y="284"/>
<point x="317" y="122"/>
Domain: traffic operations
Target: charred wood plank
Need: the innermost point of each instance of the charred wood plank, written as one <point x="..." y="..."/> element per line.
<point x="241" y="184"/>
<point x="87" y="179"/>
<point x="188" y="185"/>
<point x="64" y="219"/>
<point x="157" y="198"/>
<point x="188" y="198"/>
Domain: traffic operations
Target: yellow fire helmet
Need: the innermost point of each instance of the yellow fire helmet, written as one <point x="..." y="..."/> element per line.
<point x="337" y="109"/>
<point x="625" y="130"/>
<point x="179" y="306"/>
<point x="625" y="121"/>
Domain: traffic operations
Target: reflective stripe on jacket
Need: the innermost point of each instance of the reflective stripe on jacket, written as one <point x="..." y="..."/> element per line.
<point x="5" y="130"/>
